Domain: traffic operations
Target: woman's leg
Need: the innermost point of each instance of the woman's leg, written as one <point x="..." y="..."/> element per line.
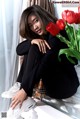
<point x="60" y="79"/>
<point x="57" y="81"/>
<point x="36" y="66"/>
<point x="31" y="66"/>
<point x="22" y="69"/>
<point x="22" y="50"/>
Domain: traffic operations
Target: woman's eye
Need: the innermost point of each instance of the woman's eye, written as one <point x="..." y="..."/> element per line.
<point x="31" y="25"/>
<point x="36" y="20"/>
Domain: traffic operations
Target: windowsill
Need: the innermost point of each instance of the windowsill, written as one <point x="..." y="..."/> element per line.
<point x="48" y="112"/>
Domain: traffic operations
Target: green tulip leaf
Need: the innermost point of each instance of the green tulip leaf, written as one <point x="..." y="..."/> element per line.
<point x="70" y="33"/>
<point x="63" y="39"/>
<point x="70" y="53"/>
<point x="75" y="53"/>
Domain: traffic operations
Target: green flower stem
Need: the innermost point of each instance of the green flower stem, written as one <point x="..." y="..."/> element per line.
<point x="75" y="45"/>
<point x="79" y="46"/>
<point x="63" y="39"/>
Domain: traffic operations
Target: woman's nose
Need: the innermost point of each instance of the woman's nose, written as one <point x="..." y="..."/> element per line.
<point x="35" y="27"/>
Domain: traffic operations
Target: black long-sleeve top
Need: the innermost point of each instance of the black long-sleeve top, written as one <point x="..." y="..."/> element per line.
<point x="65" y="68"/>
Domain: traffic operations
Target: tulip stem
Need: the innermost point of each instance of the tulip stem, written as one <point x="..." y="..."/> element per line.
<point x="75" y="40"/>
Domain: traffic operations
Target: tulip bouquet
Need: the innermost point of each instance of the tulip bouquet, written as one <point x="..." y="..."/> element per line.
<point x="70" y="22"/>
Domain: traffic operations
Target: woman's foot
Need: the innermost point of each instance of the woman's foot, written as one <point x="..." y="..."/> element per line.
<point x="12" y="91"/>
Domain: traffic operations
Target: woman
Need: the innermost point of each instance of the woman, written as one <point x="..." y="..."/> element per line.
<point x="40" y="52"/>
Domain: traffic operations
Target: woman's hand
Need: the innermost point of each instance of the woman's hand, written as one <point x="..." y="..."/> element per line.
<point x="18" y="98"/>
<point x="42" y="44"/>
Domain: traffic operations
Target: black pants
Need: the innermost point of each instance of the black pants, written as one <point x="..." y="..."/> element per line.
<point x="57" y="79"/>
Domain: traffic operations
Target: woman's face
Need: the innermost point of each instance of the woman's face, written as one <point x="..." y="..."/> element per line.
<point x="36" y="24"/>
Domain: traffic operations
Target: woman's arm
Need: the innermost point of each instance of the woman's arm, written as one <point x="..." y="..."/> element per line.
<point x="42" y="44"/>
<point x="24" y="46"/>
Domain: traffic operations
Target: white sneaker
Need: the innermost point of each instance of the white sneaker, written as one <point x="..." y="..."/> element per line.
<point x="12" y="91"/>
<point x="27" y="108"/>
<point x="28" y="111"/>
<point x="27" y="105"/>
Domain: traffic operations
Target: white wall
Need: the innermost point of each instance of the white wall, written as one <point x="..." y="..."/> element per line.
<point x="59" y="7"/>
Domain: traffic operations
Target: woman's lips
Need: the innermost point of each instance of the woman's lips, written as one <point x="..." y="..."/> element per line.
<point x="38" y="31"/>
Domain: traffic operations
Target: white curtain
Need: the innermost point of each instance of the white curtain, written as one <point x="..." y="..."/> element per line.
<point x="10" y="11"/>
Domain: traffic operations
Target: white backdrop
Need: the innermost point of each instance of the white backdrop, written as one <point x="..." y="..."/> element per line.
<point x="10" y="11"/>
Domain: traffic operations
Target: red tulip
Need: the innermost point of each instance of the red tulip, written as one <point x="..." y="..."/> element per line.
<point x="71" y="17"/>
<point x="61" y="24"/>
<point x="64" y="15"/>
<point x="52" y="28"/>
<point x="78" y="18"/>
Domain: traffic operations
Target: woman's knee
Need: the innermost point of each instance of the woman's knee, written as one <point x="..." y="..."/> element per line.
<point x="34" y="48"/>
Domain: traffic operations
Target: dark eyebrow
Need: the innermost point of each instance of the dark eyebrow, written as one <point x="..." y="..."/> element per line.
<point x="33" y="20"/>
